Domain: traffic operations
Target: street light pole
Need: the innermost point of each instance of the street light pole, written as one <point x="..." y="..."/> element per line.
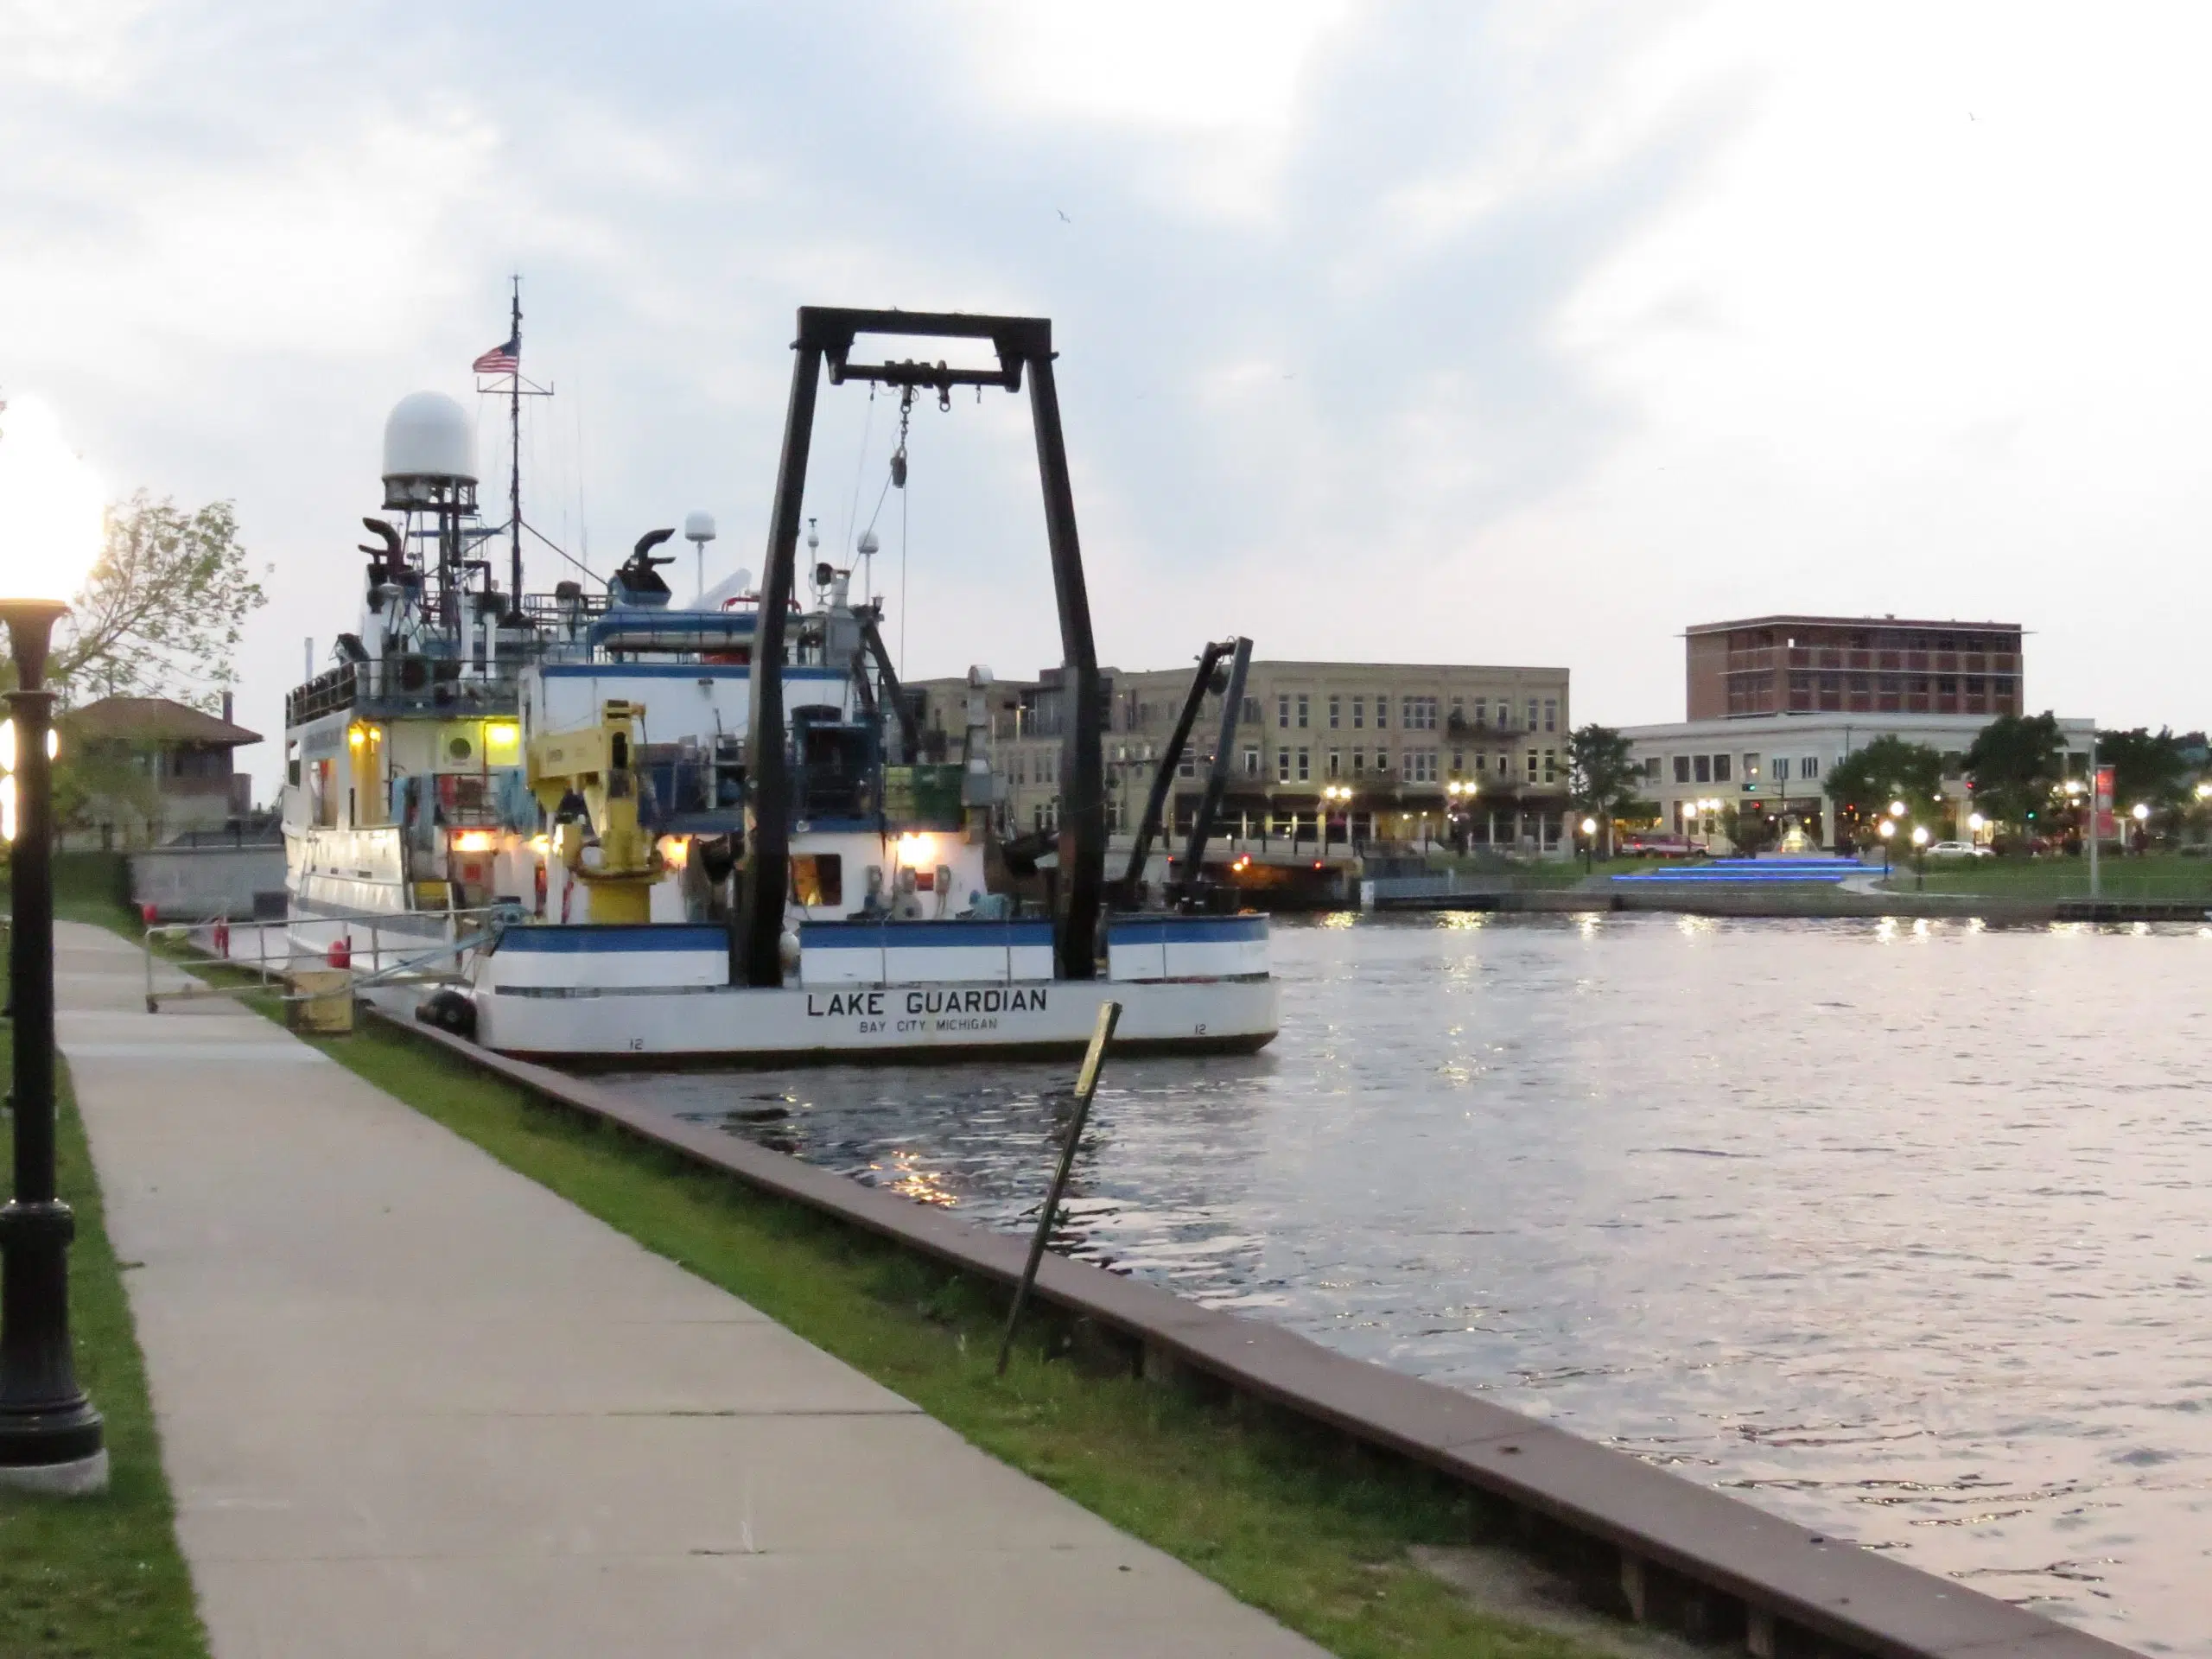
<point x="2096" y="811"/>
<point x="51" y="1438"/>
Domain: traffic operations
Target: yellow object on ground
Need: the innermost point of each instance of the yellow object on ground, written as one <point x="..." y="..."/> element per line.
<point x="327" y="1009"/>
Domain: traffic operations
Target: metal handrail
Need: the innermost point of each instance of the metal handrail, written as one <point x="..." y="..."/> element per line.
<point x="266" y="967"/>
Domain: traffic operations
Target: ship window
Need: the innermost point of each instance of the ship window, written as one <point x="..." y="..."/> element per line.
<point x="459" y="749"/>
<point x="323" y="798"/>
<point x="818" y="877"/>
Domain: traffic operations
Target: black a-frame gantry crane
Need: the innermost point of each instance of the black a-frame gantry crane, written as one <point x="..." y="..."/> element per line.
<point x="1023" y="345"/>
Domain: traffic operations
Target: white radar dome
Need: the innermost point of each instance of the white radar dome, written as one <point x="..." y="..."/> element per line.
<point x="429" y="435"/>
<point x="698" y="526"/>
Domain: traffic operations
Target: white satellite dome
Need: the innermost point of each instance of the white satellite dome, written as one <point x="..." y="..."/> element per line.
<point x="429" y="435"/>
<point x="699" y="527"/>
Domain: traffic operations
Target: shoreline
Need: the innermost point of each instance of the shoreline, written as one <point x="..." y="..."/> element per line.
<point x="1694" y="899"/>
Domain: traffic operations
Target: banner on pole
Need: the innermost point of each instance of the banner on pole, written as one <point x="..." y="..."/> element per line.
<point x="2102" y="811"/>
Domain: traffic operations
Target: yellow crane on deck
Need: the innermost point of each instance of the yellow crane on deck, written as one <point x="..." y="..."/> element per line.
<point x="597" y="764"/>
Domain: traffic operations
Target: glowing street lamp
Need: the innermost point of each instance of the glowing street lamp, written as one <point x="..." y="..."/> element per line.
<point x="1339" y="795"/>
<point x="1589" y="843"/>
<point x="51" y="530"/>
<point x="1897" y="809"/>
<point x="1886" y="829"/>
<point x="1919" y="854"/>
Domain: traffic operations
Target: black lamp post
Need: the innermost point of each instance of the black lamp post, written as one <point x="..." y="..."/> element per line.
<point x="50" y="1435"/>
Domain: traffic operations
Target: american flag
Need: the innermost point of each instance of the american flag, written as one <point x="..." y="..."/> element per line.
<point x="500" y="359"/>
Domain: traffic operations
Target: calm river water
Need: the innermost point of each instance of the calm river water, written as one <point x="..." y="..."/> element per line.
<point x="1904" y="1229"/>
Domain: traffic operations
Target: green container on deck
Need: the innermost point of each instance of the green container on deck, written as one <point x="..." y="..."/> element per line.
<point x="921" y="796"/>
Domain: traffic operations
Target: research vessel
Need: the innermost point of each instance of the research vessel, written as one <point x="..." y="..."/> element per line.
<point x="627" y="832"/>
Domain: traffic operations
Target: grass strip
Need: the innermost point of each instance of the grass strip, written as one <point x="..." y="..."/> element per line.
<point x="2154" y="877"/>
<point x="96" y="1578"/>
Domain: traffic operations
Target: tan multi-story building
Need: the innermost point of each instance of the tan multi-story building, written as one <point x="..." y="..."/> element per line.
<point x="1421" y="752"/>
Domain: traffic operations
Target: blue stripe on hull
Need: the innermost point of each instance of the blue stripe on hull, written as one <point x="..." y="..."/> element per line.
<point x="573" y="938"/>
<point x="580" y="939"/>
<point x="877" y="935"/>
<point x="1186" y="929"/>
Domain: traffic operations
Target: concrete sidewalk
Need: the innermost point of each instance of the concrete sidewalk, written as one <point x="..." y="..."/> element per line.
<point x="412" y="1404"/>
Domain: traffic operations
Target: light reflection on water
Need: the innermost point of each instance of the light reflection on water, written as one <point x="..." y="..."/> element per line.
<point x="1899" y="1228"/>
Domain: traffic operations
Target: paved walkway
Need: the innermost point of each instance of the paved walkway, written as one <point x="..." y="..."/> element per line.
<point x="412" y="1404"/>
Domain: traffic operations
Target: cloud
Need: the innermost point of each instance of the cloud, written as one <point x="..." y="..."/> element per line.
<point x="1386" y="331"/>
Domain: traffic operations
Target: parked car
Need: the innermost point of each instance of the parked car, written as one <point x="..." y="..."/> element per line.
<point x="1659" y="847"/>
<point x="1957" y="849"/>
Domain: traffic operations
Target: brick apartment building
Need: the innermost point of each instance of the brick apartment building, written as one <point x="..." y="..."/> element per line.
<point x="1854" y="665"/>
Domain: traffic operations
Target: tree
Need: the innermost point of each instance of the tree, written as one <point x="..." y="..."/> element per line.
<point x="1601" y="776"/>
<point x="1749" y="833"/>
<point x="1864" y="783"/>
<point x="2014" y="761"/>
<point x="164" y="608"/>
<point x="2144" y="767"/>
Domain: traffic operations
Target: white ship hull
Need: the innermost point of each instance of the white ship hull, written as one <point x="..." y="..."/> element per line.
<point x="897" y="991"/>
<point x="858" y="1024"/>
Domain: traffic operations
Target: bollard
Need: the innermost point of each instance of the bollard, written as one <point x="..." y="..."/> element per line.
<point x="1086" y="1084"/>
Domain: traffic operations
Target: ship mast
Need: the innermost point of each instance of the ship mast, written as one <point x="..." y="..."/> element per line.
<point x="514" y="457"/>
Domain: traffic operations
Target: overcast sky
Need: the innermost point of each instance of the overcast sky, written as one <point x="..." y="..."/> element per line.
<point x="1523" y="335"/>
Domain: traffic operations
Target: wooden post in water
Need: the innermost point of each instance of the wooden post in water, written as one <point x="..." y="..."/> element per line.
<point x="1086" y="1085"/>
